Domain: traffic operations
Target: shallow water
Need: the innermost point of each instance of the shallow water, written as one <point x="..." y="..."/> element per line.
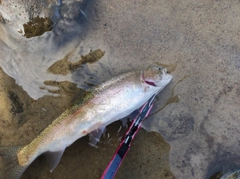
<point x="201" y="37"/>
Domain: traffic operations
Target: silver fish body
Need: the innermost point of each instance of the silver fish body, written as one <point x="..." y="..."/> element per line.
<point x="109" y="102"/>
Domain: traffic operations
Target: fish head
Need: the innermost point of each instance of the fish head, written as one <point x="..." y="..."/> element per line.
<point x="156" y="76"/>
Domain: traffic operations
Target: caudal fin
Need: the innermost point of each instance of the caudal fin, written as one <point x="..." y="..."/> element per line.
<point x="10" y="167"/>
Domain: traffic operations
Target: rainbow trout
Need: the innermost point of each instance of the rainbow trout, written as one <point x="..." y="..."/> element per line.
<point x="107" y="103"/>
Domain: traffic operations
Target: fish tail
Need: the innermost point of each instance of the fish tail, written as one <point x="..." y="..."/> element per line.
<point x="10" y="167"/>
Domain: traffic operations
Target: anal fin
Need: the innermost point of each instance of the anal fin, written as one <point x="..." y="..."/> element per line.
<point x="53" y="158"/>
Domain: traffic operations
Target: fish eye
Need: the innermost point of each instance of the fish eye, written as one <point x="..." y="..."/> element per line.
<point x="160" y="68"/>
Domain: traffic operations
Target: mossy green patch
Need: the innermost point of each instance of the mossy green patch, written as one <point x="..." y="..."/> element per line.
<point x="64" y="87"/>
<point x="64" y="66"/>
<point x="37" y="26"/>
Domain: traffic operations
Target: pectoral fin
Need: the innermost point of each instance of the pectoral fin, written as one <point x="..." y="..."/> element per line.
<point x="95" y="136"/>
<point x="53" y="158"/>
